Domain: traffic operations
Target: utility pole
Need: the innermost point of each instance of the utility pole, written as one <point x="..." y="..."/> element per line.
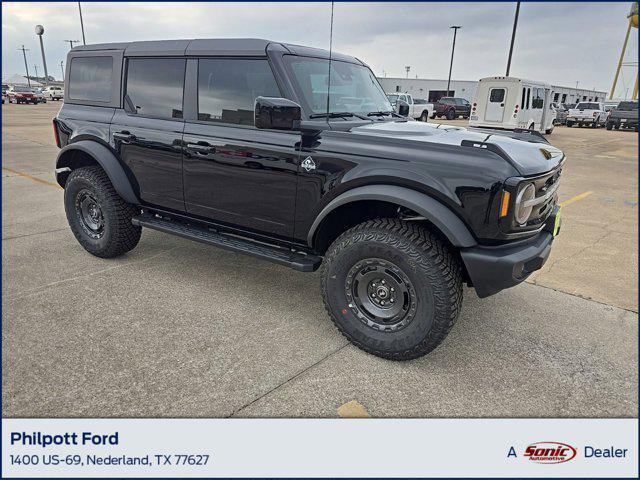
<point x="24" y="54"/>
<point x="62" y="70"/>
<point x="40" y="32"/>
<point x="406" y="69"/>
<point x="84" y="42"/>
<point x="453" y="49"/>
<point x="36" y="69"/>
<point x="71" y="42"/>
<point x="513" y="37"/>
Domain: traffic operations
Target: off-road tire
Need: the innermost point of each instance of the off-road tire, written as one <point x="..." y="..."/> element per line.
<point x="451" y="114"/>
<point x="430" y="267"/>
<point x="118" y="235"/>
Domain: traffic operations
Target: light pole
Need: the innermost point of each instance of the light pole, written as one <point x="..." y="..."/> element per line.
<point x="84" y="42"/>
<point x="513" y="37"/>
<point x="24" y="54"/>
<point x="406" y="69"/>
<point x="36" y="69"/>
<point x="71" y="42"/>
<point x="62" y="70"/>
<point x="453" y="49"/>
<point x="39" y="32"/>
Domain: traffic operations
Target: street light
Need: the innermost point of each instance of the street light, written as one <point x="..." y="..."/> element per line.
<point x="84" y="42"/>
<point x="62" y="70"/>
<point x="40" y="32"/>
<point x="36" y="69"/>
<point x="513" y="37"/>
<point x="24" y="54"/>
<point x="453" y="49"/>
<point x="407" y="68"/>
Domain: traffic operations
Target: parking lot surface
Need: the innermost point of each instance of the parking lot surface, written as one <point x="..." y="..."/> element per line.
<point x="179" y="329"/>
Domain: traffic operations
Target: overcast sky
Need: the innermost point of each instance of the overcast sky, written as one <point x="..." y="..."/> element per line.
<point x="559" y="43"/>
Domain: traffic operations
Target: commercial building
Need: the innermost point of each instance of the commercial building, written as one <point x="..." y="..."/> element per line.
<point x="432" y="89"/>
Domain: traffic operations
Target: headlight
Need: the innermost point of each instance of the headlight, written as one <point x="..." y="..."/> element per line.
<point x="525" y="193"/>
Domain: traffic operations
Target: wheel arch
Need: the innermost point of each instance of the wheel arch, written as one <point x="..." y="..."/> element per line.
<point x="384" y="201"/>
<point x="86" y="153"/>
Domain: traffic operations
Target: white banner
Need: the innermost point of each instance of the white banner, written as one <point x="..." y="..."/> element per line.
<point x="319" y="448"/>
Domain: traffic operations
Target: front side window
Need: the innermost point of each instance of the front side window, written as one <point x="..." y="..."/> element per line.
<point x="228" y="88"/>
<point x="155" y="86"/>
<point x="91" y="78"/>
<point x="349" y="87"/>
<point x="497" y="95"/>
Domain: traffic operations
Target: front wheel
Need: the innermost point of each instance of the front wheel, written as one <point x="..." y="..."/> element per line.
<point x="569" y="123"/>
<point x="609" y="126"/>
<point x="99" y="218"/>
<point x="392" y="288"/>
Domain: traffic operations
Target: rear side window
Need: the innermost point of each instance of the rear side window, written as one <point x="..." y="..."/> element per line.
<point x="497" y="95"/>
<point x="90" y="78"/>
<point x="155" y="86"/>
<point x="228" y="88"/>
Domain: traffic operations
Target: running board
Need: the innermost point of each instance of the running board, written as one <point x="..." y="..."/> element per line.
<point x="283" y="256"/>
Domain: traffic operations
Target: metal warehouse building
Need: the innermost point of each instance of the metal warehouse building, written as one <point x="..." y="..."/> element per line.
<point x="432" y="89"/>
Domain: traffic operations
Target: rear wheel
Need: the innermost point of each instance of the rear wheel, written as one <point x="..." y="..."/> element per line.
<point x="392" y="288"/>
<point x="99" y="218"/>
<point x="451" y="114"/>
<point x="569" y="123"/>
<point x="425" y="116"/>
<point x="609" y="126"/>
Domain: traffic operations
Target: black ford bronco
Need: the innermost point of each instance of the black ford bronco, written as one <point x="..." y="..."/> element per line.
<point x="294" y="155"/>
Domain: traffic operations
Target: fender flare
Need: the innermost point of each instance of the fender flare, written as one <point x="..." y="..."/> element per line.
<point x="430" y="208"/>
<point x="106" y="159"/>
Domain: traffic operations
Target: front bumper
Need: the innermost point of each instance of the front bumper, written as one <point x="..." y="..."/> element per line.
<point x="495" y="268"/>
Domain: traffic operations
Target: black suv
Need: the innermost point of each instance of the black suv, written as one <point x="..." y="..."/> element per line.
<point x="294" y="155"/>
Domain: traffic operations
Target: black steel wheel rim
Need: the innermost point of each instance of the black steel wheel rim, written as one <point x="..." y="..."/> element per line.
<point x="380" y="294"/>
<point x="89" y="213"/>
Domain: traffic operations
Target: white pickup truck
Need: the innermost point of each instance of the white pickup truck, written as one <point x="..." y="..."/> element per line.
<point x="419" y="108"/>
<point x="587" y="113"/>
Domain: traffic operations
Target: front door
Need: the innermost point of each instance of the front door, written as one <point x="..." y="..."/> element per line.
<point x="495" y="104"/>
<point x="148" y="134"/>
<point x="233" y="172"/>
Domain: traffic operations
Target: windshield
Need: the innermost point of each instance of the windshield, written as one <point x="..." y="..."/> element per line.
<point x="392" y="98"/>
<point x="354" y="88"/>
<point x="628" y="106"/>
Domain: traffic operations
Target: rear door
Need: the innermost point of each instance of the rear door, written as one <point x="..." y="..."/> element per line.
<point x="233" y="172"/>
<point x="494" y="111"/>
<point x="148" y="132"/>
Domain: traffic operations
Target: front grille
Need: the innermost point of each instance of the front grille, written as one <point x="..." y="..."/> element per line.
<point x="546" y="186"/>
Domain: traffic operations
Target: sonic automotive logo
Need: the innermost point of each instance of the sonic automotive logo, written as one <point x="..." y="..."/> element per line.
<point x="550" y="452"/>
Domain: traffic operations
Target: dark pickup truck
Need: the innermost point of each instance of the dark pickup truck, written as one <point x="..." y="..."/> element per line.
<point x="295" y="156"/>
<point x="625" y="115"/>
<point x="451" y="108"/>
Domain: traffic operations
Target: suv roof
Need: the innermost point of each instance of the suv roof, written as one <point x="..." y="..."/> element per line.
<point x="220" y="46"/>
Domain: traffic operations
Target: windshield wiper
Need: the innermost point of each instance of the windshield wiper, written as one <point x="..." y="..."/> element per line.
<point x="383" y="114"/>
<point x="337" y="115"/>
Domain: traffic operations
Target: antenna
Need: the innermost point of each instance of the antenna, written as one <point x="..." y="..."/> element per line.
<point x="330" y="53"/>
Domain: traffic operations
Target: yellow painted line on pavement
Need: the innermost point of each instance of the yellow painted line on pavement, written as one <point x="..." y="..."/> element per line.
<point x="575" y="199"/>
<point x="30" y="177"/>
<point x="353" y="409"/>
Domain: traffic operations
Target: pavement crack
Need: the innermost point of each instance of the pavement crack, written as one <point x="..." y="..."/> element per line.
<point x="34" y="234"/>
<point x="290" y="379"/>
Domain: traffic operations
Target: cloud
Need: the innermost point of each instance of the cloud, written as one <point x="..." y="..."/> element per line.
<point x="559" y="43"/>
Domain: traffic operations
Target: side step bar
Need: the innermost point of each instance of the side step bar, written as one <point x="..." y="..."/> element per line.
<point x="283" y="256"/>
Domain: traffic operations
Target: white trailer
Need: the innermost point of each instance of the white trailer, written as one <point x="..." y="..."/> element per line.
<point x="509" y="103"/>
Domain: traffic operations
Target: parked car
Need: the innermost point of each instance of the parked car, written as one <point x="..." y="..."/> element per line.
<point x="234" y="143"/>
<point x="625" y="115"/>
<point x="39" y="93"/>
<point x="19" y="94"/>
<point x="417" y="108"/>
<point x="512" y="103"/>
<point x="452" y="107"/>
<point x="561" y="113"/>
<point x="54" y="92"/>
<point x="587" y="113"/>
<point x="5" y="88"/>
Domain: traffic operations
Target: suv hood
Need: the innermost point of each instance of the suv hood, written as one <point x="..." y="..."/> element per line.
<point x="528" y="152"/>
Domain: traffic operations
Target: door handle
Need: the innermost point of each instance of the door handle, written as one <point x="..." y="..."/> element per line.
<point x="124" y="136"/>
<point x="202" y="148"/>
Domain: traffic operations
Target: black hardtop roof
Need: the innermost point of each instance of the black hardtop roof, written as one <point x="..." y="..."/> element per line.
<point x="215" y="47"/>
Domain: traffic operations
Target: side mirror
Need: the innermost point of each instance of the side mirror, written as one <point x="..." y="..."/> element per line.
<point x="402" y="108"/>
<point x="277" y="114"/>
